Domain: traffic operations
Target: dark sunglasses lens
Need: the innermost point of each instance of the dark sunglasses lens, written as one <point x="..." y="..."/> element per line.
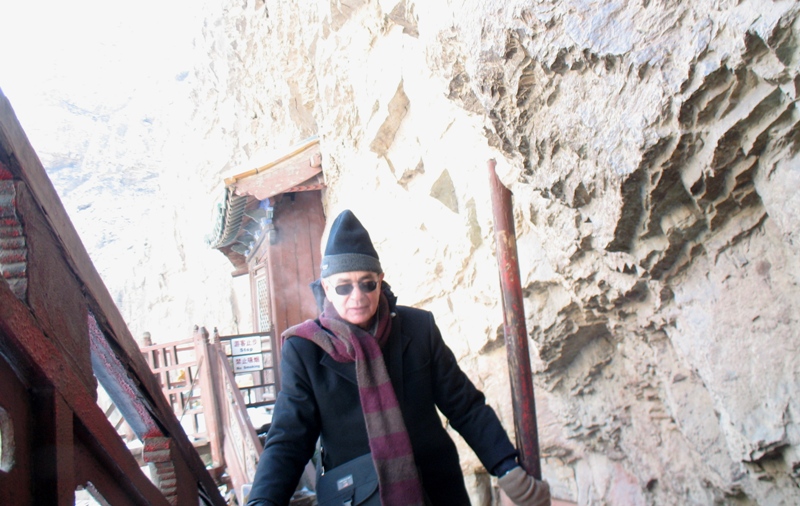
<point x="368" y="286"/>
<point x="365" y="286"/>
<point x="344" y="289"/>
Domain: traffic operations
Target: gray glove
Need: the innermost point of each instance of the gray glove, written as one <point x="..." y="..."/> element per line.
<point x="523" y="489"/>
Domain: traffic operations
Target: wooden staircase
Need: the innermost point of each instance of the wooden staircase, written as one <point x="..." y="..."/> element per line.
<point x="210" y="382"/>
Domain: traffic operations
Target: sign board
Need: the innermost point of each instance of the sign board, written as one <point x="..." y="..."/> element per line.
<point x="245" y="363"/>
<point x="245" y="345"/>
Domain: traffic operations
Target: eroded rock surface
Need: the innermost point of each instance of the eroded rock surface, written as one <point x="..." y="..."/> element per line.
<point x="652" y="151"/>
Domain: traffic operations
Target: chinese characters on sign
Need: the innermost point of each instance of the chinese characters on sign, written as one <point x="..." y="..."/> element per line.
<point x="246" y="353"/>
<point x="245" y="363"/>
<point x="245" y="345"/>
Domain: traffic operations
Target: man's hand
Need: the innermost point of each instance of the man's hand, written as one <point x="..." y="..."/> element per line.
<point x="523" y="489"/>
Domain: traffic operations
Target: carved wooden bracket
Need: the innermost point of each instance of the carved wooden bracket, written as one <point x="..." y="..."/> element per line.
<point x="13" y="250"/>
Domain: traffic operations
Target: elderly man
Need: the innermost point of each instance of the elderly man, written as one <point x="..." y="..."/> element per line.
<point x="366" y="378"/>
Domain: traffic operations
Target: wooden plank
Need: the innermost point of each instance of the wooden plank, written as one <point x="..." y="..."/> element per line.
<point x="305" y="258"/>
<point x="277" y="180"/>
<point x="249" y="447"/>
<point x="292" y="169"/>
<point x="89" y="470"/>
<point x="209" y="378"/>
<point x="285" y="280"/>
<point x="282" y="270"/>
<point x="316" y="216"/>
<point x="299" y="283"/>
<point x="23" y="162"/>
<point x="54" y="294"/>
<point x="238" y="336"/>
<point x="183" y="344"/>
<point x="313" y="224"/>
<point x="294" y="260"/>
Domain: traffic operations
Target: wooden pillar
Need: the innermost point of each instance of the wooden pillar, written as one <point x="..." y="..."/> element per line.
<point x="209" y="378"/>
<point x="53" y="459"/>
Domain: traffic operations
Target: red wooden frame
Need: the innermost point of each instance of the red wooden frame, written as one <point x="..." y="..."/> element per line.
<point x="59" y="330"/>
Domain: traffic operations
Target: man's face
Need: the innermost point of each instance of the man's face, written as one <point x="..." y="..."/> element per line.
<point x="354" y="302"/>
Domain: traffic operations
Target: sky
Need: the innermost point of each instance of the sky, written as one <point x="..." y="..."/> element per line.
<point x="93" y="84"/>
<point x="89" y="54"/>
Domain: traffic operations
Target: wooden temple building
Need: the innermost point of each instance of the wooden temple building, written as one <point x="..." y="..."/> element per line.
<point x="269" y="224"/>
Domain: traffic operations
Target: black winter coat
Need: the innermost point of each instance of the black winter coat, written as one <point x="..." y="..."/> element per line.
<point x="319" y="396"/>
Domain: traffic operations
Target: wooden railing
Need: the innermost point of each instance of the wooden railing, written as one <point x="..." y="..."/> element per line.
<point x="210" y="383"/>
<point x="240" y="444"/>
<point x="60" y="335"/>
<point x="176" y="367"/>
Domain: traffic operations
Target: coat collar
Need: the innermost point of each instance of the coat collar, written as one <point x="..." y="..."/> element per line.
<point x="397" y="345"/>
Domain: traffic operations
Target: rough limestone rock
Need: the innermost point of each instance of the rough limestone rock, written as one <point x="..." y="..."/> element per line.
<point x="652" y="150"/>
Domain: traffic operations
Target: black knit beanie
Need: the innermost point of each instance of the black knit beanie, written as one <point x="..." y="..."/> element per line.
<point x="349" y="248"/>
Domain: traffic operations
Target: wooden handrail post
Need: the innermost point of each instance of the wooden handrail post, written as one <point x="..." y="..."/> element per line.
<point x="209" y="378"/>
<point x="242" y="447"/>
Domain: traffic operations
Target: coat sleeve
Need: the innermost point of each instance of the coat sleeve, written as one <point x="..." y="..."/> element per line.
<point x="293" y="434"/>
<point x="465" y="406"/>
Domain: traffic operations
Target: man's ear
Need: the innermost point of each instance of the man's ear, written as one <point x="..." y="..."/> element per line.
<point x="325" y="287"/>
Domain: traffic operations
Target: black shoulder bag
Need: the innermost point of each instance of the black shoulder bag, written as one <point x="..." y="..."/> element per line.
<point x="354" y="483"/>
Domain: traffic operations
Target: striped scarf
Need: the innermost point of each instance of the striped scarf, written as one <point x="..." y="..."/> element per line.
<point x="388" y="439"/>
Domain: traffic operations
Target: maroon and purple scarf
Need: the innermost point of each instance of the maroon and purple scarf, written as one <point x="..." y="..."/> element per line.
<point x="388" y="439"/>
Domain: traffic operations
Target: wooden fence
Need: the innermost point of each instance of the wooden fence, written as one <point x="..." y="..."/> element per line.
<point x="210" y="382"/>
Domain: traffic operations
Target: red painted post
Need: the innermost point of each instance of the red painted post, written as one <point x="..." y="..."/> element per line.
<point x="519" y="363"/>
<point x="53" y="469"/>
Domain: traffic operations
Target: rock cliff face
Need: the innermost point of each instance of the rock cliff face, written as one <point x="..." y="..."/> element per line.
<point x="652" y="149"/>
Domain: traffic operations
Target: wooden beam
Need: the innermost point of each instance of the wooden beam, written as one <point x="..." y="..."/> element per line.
<point x="279" y="176"/>
<point x="25" y="164"/>
<point x="307" y="150"/>
<point x="25" y="339"/>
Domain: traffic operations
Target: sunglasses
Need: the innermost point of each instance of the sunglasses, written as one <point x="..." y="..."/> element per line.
<point x="364" y="286"/>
